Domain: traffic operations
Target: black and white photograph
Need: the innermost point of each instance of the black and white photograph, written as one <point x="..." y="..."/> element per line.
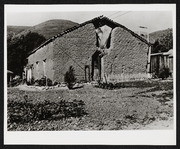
<point x="75" y="70"/>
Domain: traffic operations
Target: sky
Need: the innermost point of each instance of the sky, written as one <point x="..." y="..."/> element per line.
<point x="153" y="20"/>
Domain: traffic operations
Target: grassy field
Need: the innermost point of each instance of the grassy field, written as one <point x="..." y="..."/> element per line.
<point x="136" y="107"/>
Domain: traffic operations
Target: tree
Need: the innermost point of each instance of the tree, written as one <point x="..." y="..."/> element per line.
<point x="167" y="39"/>
<point x="163" y="42"/>
<point x="18" y="49"/>
<point x="157" y="47"/>
<point x="10" y="36"/>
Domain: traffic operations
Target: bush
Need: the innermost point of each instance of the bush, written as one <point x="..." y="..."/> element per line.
<point x="15" y="82"/>
<point x="157" y="85"/>
<point x="164" y="73"/>
<point x="70" y="78"/>
<point x="55" y="83"/>
<point x="49" y="82"/>
<point x="42" y="82"/>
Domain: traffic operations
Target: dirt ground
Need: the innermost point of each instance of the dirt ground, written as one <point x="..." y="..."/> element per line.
<point x="117" y="109"/>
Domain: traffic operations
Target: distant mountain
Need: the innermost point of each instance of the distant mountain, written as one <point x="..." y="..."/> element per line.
<point x="16" y="29"/>
<point x="160" y="34"/>
<point x="22" y="40"/>
<point x="165" y="38"/>
<point x="49" y="28"/>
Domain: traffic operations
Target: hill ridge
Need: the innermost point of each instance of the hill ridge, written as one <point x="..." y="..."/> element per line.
<point x="48" y="28"/>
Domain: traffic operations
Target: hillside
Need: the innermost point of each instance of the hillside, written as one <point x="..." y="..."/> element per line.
<point x="50" y="28"/>
<point x="20" y="44"/>
<point x="16" y="29"/>
<point x="165" y="38"/>
<point x="160" y="34"/>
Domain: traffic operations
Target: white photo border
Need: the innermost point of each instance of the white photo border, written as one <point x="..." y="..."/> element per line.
<point x="119" y="137"/>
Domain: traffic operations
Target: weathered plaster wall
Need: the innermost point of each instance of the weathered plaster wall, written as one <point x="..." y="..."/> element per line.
<point x="74" y="48"/>
<point x="127" y="54"/>
<point x="44" y="53"/>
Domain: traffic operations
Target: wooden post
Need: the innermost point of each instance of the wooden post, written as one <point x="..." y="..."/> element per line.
<point x="149" y="60"/>
<point x="102" y="69"/>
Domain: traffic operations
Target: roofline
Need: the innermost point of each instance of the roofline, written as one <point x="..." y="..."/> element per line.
<point x="154" y="54"/>
<point x="130" y="31"/>
<point x="64" y="32"/>
<point x="83" y="24"/>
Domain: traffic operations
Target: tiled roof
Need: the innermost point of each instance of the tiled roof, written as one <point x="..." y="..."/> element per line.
<point x="100" y="18"/>
<point x="130" y="31"/>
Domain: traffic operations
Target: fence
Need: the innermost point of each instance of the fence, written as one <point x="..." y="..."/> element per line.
<point x="160" y="61"/>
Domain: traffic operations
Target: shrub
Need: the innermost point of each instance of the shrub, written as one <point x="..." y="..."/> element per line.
<point x="49" y="82"/>
<point x="36" y="82"/>
<point x="164" y="73"/>
<point x="137" y="84"/>
<point x="70" y="78"/>
<point x="42" y="82"/>
<point x="15" y="82"/>
<point x="55" y="83"/>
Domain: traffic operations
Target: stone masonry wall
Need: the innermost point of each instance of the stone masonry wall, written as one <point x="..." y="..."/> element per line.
<point x="36" y="59"/>
<point x="127" y="54"/>
<point x="74" y="48"/>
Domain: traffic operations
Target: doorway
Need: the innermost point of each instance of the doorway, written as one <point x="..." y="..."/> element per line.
<point x="96" y="66"/>
<point x="87" y="73"/>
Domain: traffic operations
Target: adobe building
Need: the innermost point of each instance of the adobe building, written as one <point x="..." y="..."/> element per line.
<point x="96" y="49"/>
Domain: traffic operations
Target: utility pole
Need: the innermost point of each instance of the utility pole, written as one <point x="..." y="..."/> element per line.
<point x="143" y="27"/>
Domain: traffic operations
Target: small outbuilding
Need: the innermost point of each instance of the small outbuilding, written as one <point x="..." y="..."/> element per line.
<point x="162" y="60"/>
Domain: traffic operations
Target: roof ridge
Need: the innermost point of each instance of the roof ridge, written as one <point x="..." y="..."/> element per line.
<point x="64" y="32"/>
<point x="127" y="29"/>
<point x="83" y="24"/>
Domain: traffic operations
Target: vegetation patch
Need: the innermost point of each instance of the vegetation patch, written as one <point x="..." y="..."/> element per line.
<point x="156" y="85"/>
<point x="21" y="112"/>
<point x="70" y="78"/>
